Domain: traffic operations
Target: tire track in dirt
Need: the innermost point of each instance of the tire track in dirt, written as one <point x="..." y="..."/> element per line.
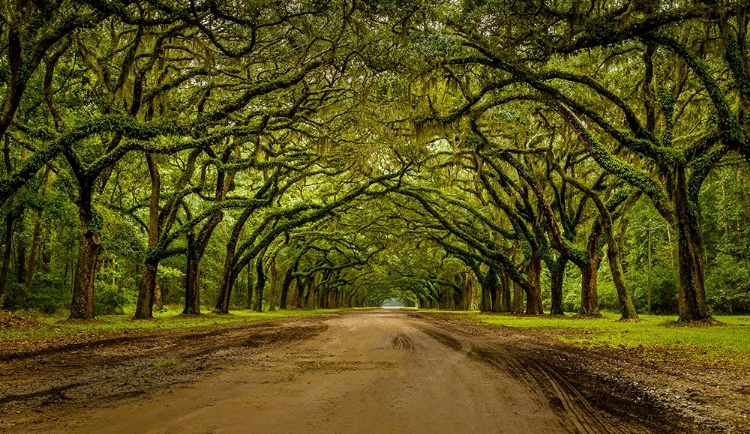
<point x="444" y="338"/>
<point x="151" y="337"/>
<point x="402" y="342"/>
<point x="51" y="394"/>
<point x="360" y="372"/>
<point x="124" y="367"/>
<point x="368" y="373"/>
<point x="559" y="392"/>
<point x="612" y="385"/>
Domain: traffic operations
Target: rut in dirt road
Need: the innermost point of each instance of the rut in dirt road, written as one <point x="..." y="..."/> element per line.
<point x="366" y="372"/>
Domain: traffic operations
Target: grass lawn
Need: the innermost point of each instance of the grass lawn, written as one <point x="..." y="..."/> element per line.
<point x="725" y="344"/>
<point x="45" y="328"/>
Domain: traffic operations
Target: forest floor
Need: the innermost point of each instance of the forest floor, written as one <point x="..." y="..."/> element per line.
<point x="361" y="372"/>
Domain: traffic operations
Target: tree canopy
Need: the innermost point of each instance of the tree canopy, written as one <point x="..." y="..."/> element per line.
<point x="512" y="156"/>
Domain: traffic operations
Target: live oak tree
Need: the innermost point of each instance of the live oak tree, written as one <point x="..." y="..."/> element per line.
<point x="658" y="132"/>
<point x="339" y="153"/>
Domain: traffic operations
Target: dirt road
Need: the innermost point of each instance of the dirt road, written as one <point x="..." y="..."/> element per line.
<point x="368" y="372"/>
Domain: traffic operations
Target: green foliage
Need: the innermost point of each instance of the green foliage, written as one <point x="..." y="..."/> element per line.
<point x="728" y="286"/>
<point x="110" y="299"/>
<point x="378" y="150"/>
<point x="50" y="295"/>
<point x="15" y="296"/>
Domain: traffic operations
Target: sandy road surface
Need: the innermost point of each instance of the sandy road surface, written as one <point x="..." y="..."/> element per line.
<point x="368" y="373"/>
<point x="379" y="371"/>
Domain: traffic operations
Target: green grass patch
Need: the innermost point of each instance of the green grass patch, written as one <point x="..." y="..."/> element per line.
<point x="168" y="363"/>
<point x="46" y="328"/>
<point x="726" y="344"/>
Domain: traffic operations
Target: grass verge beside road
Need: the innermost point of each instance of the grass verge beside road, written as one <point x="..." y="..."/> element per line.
<point x="658" y="337"/>
<point x="28" y="334"/>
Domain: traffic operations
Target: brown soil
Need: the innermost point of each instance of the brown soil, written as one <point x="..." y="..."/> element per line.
<point x="360" y="372"/>
<point x="9" y="321"/>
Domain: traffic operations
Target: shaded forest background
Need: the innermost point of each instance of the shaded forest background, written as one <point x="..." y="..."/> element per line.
<point x="528" y="156"/>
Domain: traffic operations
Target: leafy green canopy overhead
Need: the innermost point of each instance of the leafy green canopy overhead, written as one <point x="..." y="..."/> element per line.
<point x="373" y="150"/>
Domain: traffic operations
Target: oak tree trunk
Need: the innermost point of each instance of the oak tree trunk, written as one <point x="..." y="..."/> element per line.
<point x="197" y="246"/>
<point x="488" y="289"/>
<point x="505" y="288"/>
<point x="534" y="296"/>
<point x="589" y="275"/>
<point x="192" y="279"/>
<point x="310" y="298"/>
<point x="249" y="288"/>
<point x="497" y="293"/>
<point x="32" y="252"/>
<point x="589" y="288"/>
<point x="272" y="294"/>
<point x="285" y="285"/>
<point x="228" y="280"/>
<point x="7" y="250"/>
<point x="20" y="255"/>
<point x="691" y="290"/>
<point x="300" y="294"/>
<point x="625" y="299"/>
<point x="517" y="299"/>
<point x="158" y="297"/>
<point x="260" y="284"/>
<point x="627" y="308"/>
<point x="557" y="276"/>
<point x="89" y="246"/>
<point x="146" y="292"/>
<point x="225" y="293"/>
